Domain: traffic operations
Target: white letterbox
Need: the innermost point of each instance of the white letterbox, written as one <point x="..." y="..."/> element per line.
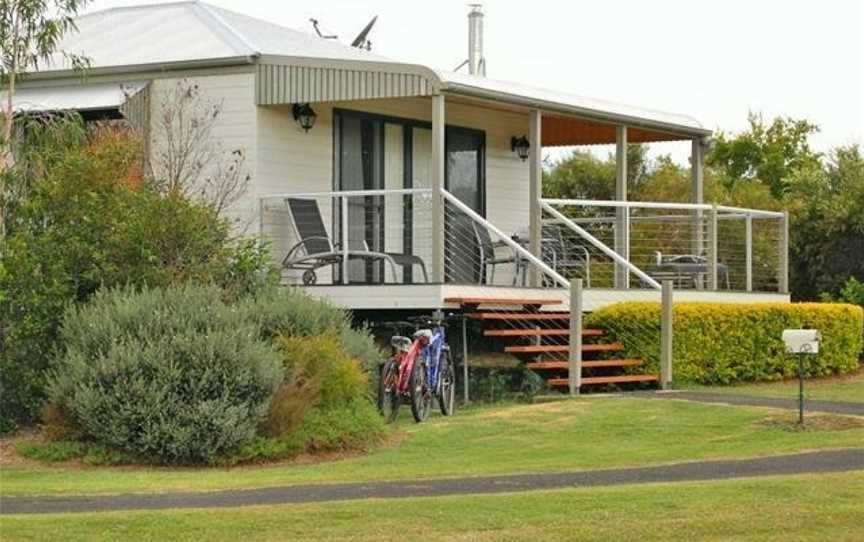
<point x="802" y="341"/>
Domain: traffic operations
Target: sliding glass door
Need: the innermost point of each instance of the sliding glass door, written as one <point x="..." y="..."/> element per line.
<point x="375" y="152"/>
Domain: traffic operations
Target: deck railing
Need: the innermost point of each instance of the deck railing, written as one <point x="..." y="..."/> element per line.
<point x="385" y="237"/>
<point x="710" y="247"/>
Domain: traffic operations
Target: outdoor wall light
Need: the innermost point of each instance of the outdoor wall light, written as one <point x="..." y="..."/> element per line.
<point x="304" y="115"/>
<point x="520" y="146"/>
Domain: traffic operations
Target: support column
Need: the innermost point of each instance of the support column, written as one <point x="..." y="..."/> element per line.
<point x="783" y="268"/>
<point x="697" y="167"/>
<point x="438" y="171"/>
<point x="712" y="249"/>
<point x="748" y="252"/>
<point x="574" y="366"/>
<point x="622" y="215"/>
<point x="535" y="178"/>
<point x="666" y="335"/>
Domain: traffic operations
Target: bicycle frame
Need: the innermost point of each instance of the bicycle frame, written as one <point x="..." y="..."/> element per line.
<point x="406" y="359"/>
<point x="433" y="353"/>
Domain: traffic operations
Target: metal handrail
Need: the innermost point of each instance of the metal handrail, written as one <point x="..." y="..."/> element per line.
<point x="350" y="193"/>
<point x="600" y="245"/>
<point x="516" y="247"/>
<point x="660" y="205"/>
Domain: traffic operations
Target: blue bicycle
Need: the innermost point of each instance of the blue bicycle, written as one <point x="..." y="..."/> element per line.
<point x="437" y="365"/>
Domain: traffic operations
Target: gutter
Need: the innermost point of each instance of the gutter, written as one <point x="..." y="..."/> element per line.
<point x="240" y="60"/>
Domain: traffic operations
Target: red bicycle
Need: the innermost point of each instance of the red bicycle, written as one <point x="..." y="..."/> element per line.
<point x="404" y="377"/>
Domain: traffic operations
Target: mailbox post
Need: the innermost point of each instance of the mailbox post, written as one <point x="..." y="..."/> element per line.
<point x="801" y="342"/>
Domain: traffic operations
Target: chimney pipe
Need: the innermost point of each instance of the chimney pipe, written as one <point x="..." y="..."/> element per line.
<point x="476" y="62"/>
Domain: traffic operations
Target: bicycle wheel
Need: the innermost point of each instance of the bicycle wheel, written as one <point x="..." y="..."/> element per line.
<point x="419" y="392"/>
<point x="447" y="396"/>
<point x="388" y="394"/>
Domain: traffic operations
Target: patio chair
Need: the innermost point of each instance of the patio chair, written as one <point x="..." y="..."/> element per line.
<point x="316" y="250"/>
<point x="488" y="257"/>
<point x="562" y="256"/>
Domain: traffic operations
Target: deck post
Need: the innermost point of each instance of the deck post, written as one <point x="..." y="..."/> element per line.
<point x="574" y="368"/>
<point x="622" y="214"/>
<point x="464" y="358"/>
<point x="535" y="178"/>
<point x="697" y="166"/>
<point x="343" y="201"/>
<point x="712" y="248"/>
<point x="438" y="172"/>
<point x="666" y="335"/>
<point x="748" y="250"/>
<point x="783" y="267"/>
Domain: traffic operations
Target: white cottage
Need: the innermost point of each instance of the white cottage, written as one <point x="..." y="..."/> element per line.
<point x="390" y="185"/>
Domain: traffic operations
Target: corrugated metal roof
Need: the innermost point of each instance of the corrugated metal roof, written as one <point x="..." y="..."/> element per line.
<point x="196" y="32"/>
<point x="565" y="102"/>
<point x="187" y="31"/>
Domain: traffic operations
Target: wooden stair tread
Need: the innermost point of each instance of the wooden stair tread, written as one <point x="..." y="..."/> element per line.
<point x="538" y="332"/>
<point x="541" y="348"/>
<point x="585" y="364"/>
<point x="502" y="301"/>
<point x="619" y="379"/>
<point x="518" y="315"/>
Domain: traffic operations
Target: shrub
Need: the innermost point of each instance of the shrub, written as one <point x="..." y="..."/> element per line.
<point x="322" y="404"/>
<point x="318" y="374"/>
<point x="292" y="312"/>
<point x="85" y="219"/>
<point x="728" y="343"/>
<point x="173" y="375"/>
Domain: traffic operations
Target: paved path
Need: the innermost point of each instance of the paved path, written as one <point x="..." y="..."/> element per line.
<point x="834" y="407"/>
<point x="813" y="462"/>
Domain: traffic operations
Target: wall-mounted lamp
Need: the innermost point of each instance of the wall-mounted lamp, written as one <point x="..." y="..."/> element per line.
<point x="520" y="146"/>
<point x="304" y="115"/>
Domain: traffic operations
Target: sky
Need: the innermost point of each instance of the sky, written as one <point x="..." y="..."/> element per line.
<point x="712" y="60"/>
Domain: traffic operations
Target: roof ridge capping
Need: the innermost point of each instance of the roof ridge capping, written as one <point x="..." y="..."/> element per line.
<point x="209" y="16"/>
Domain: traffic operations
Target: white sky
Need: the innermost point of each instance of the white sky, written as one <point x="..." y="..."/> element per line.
<point x="715" y="61"/>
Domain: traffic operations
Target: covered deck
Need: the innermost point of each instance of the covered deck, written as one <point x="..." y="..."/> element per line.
<point x="427" y="203"/>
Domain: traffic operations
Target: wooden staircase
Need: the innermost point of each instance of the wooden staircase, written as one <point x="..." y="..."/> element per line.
<point x="540" y="338"/>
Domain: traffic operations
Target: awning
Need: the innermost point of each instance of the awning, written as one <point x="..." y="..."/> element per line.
<point x="87" y="97"/>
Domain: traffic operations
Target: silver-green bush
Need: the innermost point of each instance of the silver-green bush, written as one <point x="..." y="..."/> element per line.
<point x="173" y="375"/>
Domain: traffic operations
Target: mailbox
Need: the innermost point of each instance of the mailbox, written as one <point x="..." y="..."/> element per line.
<point x="802" y="341"/>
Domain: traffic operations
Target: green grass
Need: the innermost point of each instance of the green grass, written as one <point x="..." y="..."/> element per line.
<point x="801" y="508"/>
<point x="566" y="435"/>
<point x="837" y="388"/>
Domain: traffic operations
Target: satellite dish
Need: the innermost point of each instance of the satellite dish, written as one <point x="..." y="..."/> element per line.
<point x="362" y="41"/>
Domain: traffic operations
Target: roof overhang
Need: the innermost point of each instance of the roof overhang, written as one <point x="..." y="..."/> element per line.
<point x="81" y="97"/>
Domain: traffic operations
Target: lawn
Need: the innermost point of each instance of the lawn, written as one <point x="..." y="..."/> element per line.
<point x="801" y="508"/>
<point x="588" y="433"/>
<point x="835" y="388"/>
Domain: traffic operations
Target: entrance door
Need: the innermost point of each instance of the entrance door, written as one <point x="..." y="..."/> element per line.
<point x="465" y="179"/>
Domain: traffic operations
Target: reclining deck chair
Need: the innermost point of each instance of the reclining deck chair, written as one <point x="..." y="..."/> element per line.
<point x="316" y="250"/>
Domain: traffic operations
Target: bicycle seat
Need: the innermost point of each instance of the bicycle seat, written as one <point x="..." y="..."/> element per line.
<point x="423" y="333"/>
<point x="400" y="343"/>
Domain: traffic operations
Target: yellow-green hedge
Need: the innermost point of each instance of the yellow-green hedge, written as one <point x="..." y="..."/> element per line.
<point x="723" y="343"/>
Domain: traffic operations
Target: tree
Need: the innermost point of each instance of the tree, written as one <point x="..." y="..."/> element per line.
<point x="187" y="158"/>
<point x="582" y="175"/>
<point x="826" y="206"/>
<point x="768" y="153"/>
<point x="30" y="33"/>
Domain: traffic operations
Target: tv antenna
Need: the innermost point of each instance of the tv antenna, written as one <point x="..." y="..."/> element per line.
<point x="321" y="34"/>
<point x="362" y="39"/>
